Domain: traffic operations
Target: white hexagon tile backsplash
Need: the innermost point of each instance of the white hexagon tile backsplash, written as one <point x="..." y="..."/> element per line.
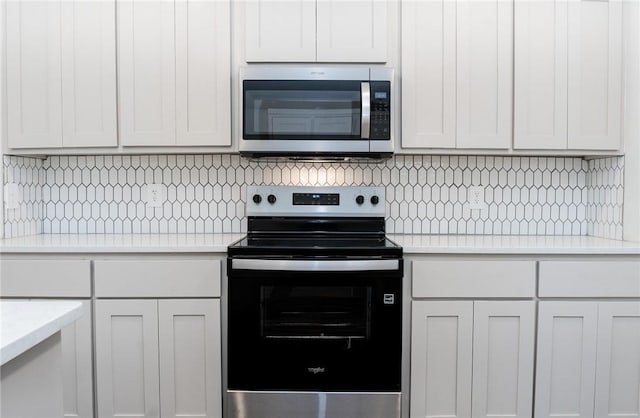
<point x="424" y="194"/>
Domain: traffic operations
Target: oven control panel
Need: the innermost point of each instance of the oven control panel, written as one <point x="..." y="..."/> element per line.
<point x="318" y="201"/>
<point x="312" y="199"/>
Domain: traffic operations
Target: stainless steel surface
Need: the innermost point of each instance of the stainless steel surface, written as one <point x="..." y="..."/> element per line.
<point x="365" y="120"/>
<point x="284" y="203"/>
<point x="310" y="147"/>
<point x="301" y="145"/>
<point x="244" y="404"/>
<point x="301" y="72"/>
<point x="314" y="265"/>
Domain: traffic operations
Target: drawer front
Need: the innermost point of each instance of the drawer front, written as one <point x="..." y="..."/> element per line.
<point x="157" y="278"/>
<point x="590" y="279"/>
<point x="474" y="279"/>
<point x="45" y="278"/>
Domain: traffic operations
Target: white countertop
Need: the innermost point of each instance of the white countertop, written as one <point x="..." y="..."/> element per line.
<point x="511" y="244"/>
<point x="24" y="324"/>
<point x="412" y="244"/>
<point x="119" y="243"/>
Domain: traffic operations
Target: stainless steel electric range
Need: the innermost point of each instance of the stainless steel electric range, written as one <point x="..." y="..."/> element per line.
<point x="314" y="321"/>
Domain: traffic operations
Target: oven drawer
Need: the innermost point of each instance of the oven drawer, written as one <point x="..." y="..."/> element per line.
<point x="157" y="278"/>
<point x="473" y="279"/>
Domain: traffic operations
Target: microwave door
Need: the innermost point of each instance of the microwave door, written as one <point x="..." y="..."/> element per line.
<point x="365" y="119"/>
<point x="302" y="110"/>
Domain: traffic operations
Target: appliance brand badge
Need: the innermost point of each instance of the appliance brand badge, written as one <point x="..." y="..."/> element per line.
<point x="315" y="370"/>
<point x="389" y="299"/>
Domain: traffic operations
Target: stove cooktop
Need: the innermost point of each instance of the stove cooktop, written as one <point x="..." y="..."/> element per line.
<point x="295" y="221"/>
<point x="345" y="246"/>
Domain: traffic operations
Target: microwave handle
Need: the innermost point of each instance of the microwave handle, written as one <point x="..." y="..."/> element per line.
<point x="365" y="121"/>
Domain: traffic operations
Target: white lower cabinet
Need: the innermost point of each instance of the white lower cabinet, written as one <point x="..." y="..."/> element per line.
<point x="441" y="358"/>
<point x="190" y="358"/>
<point x="472" y="358"/>
<point x="618" y="360"/>
<point x="565" y="372"/>
<point x="588" y="359"/>
<point x="77" y="365"/>
<point x="158" y="358"/>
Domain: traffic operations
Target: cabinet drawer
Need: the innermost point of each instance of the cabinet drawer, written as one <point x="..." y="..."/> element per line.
<point x="157" y="278"/>
<point x="589" y="279"/>
<point x="45" y="278"/>
<point x="474" y="279"/>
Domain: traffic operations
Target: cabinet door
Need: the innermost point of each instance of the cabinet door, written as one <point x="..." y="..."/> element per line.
<point x="484" y="73"/>
<point x="280" y="30"/>
<point x="503" y="354"/>
<point x="146" y="72"/>
<point x="618" y="364"/>
<point x="190" y="362"/>
<point x="351" y="31"/>
<point x="428" y="74"/>
<point x="565" y="371"/>
<point x="595" y="74"/>
<point x="441" y="347"/>
<point x="127" y="358"/>
<point x="77" y="366"/>
<point x="89" y="73"/>
<point x="203" y="72"/>
<point x="34" y="76"/>
<point x="540" y="62"/>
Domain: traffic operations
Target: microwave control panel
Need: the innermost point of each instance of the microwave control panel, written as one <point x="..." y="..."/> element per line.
<point x="380" y="110"/>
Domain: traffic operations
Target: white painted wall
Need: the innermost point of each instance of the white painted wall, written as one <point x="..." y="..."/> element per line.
<point x="631" y="127"/>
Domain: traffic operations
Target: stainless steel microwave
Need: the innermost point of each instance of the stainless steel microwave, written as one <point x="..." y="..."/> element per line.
<point x="316" y="112"/>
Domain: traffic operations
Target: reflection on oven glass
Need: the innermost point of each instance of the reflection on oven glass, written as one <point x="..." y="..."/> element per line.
<point x="315" y="312"/>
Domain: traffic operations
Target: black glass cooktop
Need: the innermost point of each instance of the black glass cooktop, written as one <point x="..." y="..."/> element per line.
<point x="315" y="245"/>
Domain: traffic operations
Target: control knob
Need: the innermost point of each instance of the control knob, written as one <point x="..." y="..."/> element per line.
<point x="360" y="199"/>
<point x="271" y="199"/>
<point x="257" y="199"/>
<point x="374" y="200"/>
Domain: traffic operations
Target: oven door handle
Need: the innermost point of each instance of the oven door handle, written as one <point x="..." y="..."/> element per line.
<point x="314" y="265"/>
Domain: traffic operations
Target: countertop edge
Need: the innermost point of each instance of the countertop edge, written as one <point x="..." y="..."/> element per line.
<point x="217" y="244"/>
<point x="35" y="336"/>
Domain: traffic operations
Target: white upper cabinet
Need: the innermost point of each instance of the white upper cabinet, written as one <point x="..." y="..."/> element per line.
<point x="61" y="89"/>
<point x="316" y="30"/>
<point x="34" y="79"/>
<point x="485" y="71"/>
<point x="146" y="70"/>
<point x="457" y="74"/>
<point x="351" y="31"/>
<point x="568" y="77"/>
<point x="282" y="30"/>
<point x="428" y="74"/>
<point x="89" y="74"/>
<point x="540" y="108"/>
<point x="203" y="73"/>
<point x="174" y="73"/>
<point x="595" y="75"/>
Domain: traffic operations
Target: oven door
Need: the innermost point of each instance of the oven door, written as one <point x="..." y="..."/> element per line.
<point x="314" y="325"/>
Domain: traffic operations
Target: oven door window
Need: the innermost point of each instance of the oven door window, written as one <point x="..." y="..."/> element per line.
<point x="294" y="109"/>
<point x="315" y="312"/>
